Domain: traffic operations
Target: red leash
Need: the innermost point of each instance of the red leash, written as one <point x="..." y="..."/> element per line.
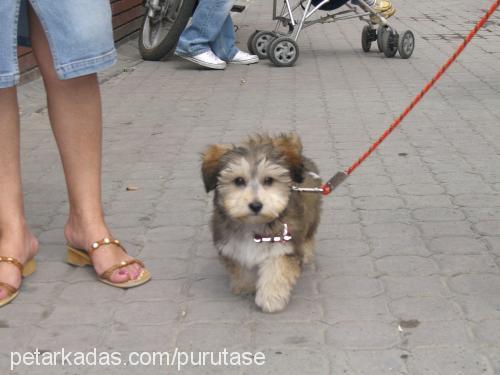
<point x="336" y="180"/>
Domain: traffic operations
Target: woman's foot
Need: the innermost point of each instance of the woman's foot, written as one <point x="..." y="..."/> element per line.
<point x="81" y="234"/>
<point x="20" y="244"/>
<point x="383" y="8"/>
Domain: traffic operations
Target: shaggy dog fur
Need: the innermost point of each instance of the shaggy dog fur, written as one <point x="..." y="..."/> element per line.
<point x="252" y="183"/>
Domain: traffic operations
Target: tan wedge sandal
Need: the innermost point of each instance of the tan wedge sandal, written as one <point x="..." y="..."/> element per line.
<point x="25" y="270"/>
<point x="81" y="258"/>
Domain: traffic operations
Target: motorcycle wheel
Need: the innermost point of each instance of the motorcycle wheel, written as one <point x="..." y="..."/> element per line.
<point x="162" y="27"/>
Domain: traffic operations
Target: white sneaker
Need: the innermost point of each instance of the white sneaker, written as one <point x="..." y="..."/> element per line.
<point x="207" y="59"/>
<point x="244" y="58"/>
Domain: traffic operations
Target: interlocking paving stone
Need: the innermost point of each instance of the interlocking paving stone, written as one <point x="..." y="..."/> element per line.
<point x="412" y="236"/>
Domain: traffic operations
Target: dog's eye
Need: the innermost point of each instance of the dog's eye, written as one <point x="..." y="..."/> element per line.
<point x="268" y="181"/>
<point x="239" y="181"/>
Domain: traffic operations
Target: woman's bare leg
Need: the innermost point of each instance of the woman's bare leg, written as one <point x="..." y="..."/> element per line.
<point x="75" y="114"/>
<point x="15" y="238"/>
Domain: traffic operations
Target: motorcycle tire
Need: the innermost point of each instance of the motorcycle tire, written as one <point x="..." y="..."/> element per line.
<point x="171" y="31"/>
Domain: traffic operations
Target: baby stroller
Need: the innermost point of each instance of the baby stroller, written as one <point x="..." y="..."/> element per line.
<point x="282" y="49"/>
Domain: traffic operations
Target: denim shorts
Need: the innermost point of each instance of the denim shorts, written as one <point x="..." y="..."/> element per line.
<point x="80" y="36"/>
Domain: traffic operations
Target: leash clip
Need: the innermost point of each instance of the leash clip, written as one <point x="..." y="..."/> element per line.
<point x="326" y="188"/>
<point x="307" y="190"/>
<point x="334" y="182"/>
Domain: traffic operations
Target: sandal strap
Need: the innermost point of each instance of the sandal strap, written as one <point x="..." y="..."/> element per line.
<point x="13" y="261"/>
<point x="107" y="274"/>
<point x="104" y="242"/>
<point x="9" y="288"/>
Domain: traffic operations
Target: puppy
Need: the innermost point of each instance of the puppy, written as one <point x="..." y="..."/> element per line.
<point x="262" y="229"/>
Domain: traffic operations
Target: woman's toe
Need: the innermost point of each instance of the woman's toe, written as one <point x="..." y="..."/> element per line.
<point x="135" y="271"/>
<point x="120" y="276"/>
<point x="139" y="270"/>
<point x="3" y="293"/>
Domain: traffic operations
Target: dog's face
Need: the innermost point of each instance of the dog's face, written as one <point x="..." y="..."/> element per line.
<point x="253" y="180"/>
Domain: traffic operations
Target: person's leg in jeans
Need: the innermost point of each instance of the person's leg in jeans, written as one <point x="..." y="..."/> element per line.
<point x="209" y="19"/>
<point x="224" y="44"/>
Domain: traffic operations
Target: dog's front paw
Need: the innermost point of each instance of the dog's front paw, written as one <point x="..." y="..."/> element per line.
<point x="270" y="301"/>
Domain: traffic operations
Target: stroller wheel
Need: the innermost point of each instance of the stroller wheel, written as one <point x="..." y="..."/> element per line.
<point x="283" y="51"/>
<point x="390" y="42"/>
<point x="250" y="42"/>
<point x="366" y="43"/>
<point x="406" y="44"/>
<point x="380" y="33"/>
<point x="261" y="42"/>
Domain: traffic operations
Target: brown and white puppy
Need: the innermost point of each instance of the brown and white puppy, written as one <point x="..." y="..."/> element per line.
<point x="253" y="200"/>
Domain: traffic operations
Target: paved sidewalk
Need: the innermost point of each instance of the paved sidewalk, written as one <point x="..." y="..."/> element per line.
<point x="407" y="277"/>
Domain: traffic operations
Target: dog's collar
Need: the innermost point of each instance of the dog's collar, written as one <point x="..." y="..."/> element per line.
<point x="285" y="237"/>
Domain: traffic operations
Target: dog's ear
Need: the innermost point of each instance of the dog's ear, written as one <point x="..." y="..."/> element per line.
<point x="290" y="146"/>
<point x="211" y="166"/>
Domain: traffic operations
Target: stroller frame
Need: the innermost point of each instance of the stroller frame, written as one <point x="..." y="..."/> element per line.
<point x="282" y="48"/>
<point x="286" y="17"/>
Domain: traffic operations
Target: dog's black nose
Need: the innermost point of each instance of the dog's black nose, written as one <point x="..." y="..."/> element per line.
<point x="255" y="206"/>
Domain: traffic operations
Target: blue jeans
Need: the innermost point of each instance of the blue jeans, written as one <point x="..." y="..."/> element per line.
<point x="80" y="36"/>
<point x="211" y="28"/>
